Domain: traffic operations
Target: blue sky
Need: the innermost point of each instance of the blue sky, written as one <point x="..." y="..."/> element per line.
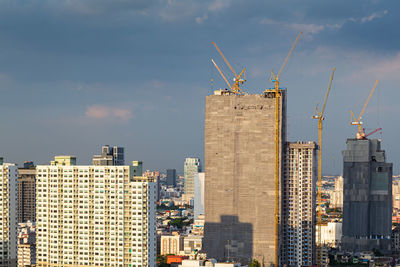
<point x="75" y="75"/>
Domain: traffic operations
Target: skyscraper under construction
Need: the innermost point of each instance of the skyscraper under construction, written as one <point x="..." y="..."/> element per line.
<point x="367" y="196"/>
<point x="240" y="175"/>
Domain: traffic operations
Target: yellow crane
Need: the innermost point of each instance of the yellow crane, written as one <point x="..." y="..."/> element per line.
<point x="360" y="134"/>
<point x="320" y="118"/>
<point x="277" y="92"/>
<point x="238" y="80"/>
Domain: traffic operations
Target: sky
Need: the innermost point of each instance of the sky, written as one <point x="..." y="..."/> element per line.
<point x="76" y="74"/>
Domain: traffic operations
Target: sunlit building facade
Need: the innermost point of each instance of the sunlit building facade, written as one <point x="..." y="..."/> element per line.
<point x="95" y="216"/>
<point x="8" y="214"/>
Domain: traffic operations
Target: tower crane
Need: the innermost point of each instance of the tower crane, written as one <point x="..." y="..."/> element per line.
<point x="371" y="133"/>
<point x="237" y="80"/>
<point x="276" y="91"/>
<point x="360" y="134"/>
<point x="320" y="118"/>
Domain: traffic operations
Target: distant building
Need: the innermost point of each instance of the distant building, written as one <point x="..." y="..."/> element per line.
<point x="8" y="214"/>
<point x="29" y="164"/>
<point x="26" y="244"/>
<point x="331" y="234"/>
<point x="110" y="156"/>
<point x="156" y="176"/>
<point x="337" y="195"/>
<point x="64" y="161"/>
<point x="298" y="222"/>
<point x="367" y="197"/>
<point x="192" y="244"/>
<point x="191" y="168"/>
<point x="171" y="244"/>
<point x="208" y="263"/>
<point x="95" y="216"/>
<point x="171" y="177"/>
<point x="198" y="208"/>
<point x="396" y="239"/>
<point x="198" y="225"/>
<point x="137" y="168"/>
<point x="26" y="194"/>
<point x="396" y="196"/>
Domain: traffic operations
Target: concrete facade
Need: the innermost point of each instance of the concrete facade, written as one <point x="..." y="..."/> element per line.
<point x="26" y="194"/>
<point x="367" y="196"/>
<point x="240" y="176"/>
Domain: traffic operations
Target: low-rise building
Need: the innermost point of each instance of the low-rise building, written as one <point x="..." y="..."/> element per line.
<point x="26" y="244"/>
<point x="171" y="244"/>
<point x="192" y="244"/>
<point x="331" y="234"/>
<point x="198" y="226"/>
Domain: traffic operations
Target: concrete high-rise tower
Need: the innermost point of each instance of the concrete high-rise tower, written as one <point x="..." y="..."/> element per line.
<point x="298" y="214"/>
<point x="367" y="196"/>
<point x="191" y="168"/>
<point x="240" y="175"/>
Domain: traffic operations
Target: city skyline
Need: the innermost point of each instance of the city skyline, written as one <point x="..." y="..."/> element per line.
<point x="87" y="66"/>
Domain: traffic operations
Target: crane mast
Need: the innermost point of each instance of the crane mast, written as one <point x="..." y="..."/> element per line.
<point x="320" y="118"/>
<point x="277" y="92"/>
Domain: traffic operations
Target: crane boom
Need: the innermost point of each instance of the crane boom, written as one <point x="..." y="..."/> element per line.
<point x="288" y="56"/>
<point x="374" y="131"/>
<point x="222" y="74"/>
<point x="358" y="122"/>
<point x="327" y="92"/>
<point x="226" y="61"/>
<point x="366" y="102"/>
<point x="237" y="80"/>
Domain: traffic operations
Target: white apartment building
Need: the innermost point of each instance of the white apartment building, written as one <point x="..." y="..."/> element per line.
<point x="8" y="214"/>
<point x="331" y="234"/>
<point x="198" y="208"/>
<point x="191" y="167"/>
<point x="95" y="216"/>
<point x="337" y="194"/>
<point x="298" y="204"/>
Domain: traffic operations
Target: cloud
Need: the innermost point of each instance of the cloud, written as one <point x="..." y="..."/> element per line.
<point x="217" y="5"/>
<point x="307" y="28"/>
<point x="91" y="7"/>
<point x="100" y="112"/>
<point x="174" y="10"/>
<point x="388" y="68"/>
<point x="200" y="20"/>
<point x="373" y="16"/>
<point x="304" y="27"/>
<point x="312" y="29"/>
